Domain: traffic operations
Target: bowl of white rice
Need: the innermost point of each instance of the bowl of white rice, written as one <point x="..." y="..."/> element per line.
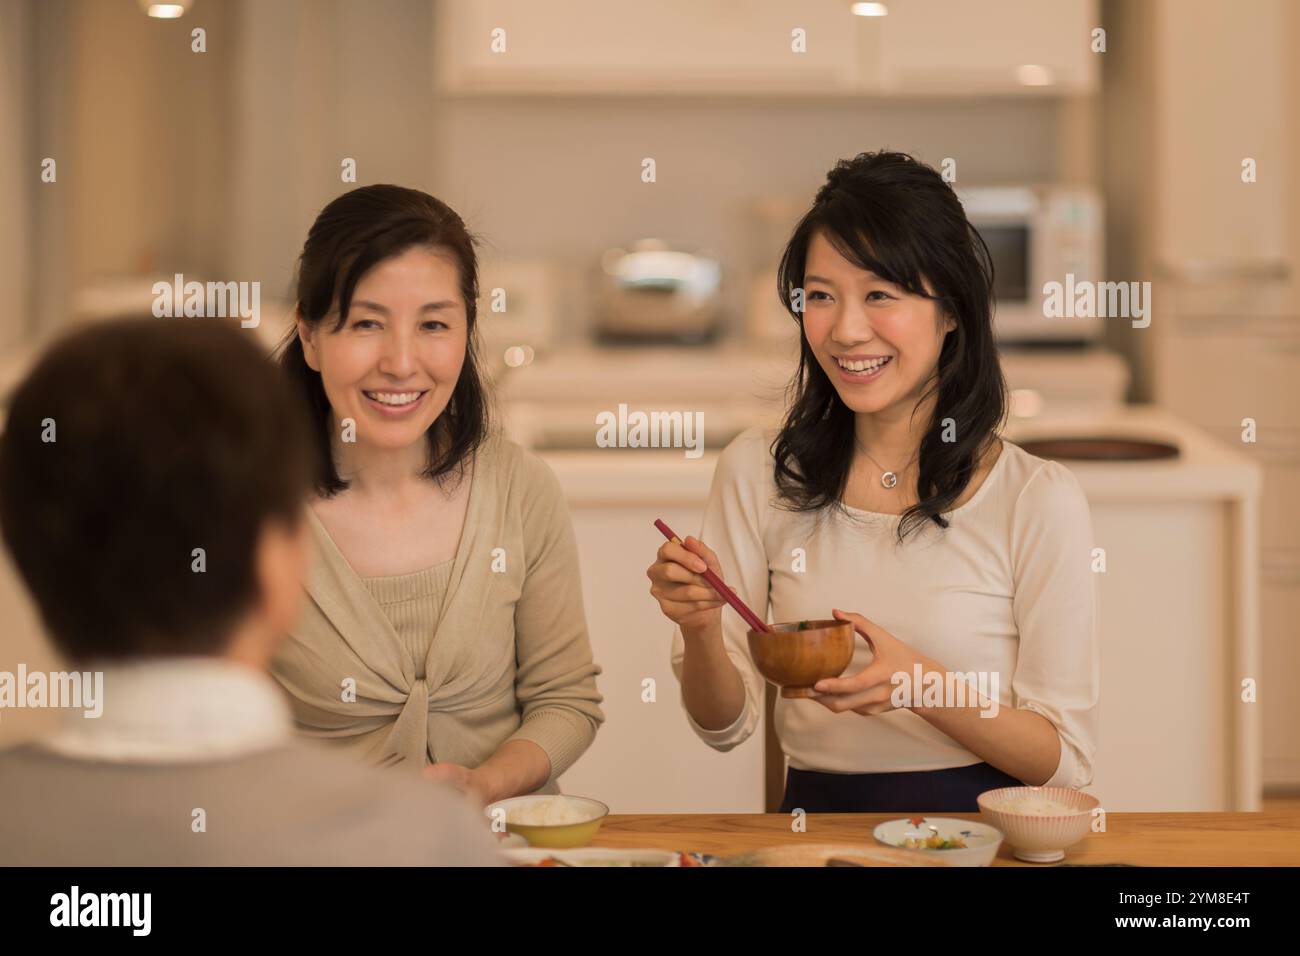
<point x="1040" y="823"/>
<point x="549" y="820"/>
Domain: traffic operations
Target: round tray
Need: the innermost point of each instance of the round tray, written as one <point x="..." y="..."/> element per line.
<point x="1100" y="448"/>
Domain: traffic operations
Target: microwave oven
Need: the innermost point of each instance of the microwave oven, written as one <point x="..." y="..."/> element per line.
<point x="1036" y="235"/>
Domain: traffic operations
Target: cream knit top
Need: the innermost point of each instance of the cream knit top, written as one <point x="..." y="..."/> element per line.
<point x="412" y="603"/>
<point x="1007" y="589"/>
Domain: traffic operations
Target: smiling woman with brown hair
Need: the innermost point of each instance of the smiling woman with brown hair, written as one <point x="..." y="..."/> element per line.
<point x="445" y="623"/>
<point x="889" y="488"/>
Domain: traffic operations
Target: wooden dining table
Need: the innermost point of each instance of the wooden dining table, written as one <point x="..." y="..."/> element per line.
<point x="1137" y="839"/>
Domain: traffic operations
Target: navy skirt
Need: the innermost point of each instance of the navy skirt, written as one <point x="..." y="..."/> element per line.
<point x="923" y="791"/>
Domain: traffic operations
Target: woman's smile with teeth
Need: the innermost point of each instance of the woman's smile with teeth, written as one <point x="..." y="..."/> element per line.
<point x="393" y="398"/>
<point x="864" y="365"/>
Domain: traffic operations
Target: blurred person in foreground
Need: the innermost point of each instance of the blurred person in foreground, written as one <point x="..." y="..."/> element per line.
<point x="153" y="476"/>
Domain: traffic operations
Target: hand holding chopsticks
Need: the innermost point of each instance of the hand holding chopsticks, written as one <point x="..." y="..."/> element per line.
<point x="676" y="593"/>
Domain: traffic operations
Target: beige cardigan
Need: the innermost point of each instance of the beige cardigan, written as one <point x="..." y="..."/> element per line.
<point x="510" y="659"/>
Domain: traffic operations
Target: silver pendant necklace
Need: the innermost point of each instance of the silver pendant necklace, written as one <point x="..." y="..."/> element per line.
<point x="888" y="479"/>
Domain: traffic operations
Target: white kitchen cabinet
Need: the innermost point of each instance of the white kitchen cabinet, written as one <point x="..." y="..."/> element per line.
<point x="998" y="46"/>
<point x="1226" y="332"/>
<point x="1166" y="662"/>
<point x="1280" y="619"/>
<point x="1219" y="71"/>
<point x="744" y="47"/>
<point x="1220" y="369"/>
<point x="593" y="46"/>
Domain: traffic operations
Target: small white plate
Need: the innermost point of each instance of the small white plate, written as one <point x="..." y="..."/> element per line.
<point x="982" y="840"/>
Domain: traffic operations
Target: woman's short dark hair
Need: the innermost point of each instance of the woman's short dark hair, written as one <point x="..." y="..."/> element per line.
<point x="127" y="447"/>
<point x="353" y="234"/>
<point x="891" y="214"/>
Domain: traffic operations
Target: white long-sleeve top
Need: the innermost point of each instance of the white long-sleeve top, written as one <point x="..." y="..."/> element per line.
<point x="1007" y="588"/>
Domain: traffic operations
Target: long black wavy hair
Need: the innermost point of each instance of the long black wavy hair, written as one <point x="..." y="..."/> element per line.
<point x="895" y="216"/>
<point x="353" y="233"/>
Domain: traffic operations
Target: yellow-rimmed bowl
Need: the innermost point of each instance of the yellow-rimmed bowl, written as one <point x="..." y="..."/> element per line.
<point x="552" y="835"/>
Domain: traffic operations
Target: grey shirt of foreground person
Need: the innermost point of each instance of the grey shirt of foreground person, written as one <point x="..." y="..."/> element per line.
<point x="194" y="762"/>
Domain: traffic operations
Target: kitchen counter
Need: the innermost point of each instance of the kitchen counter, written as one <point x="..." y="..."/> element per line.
<point x="1205" y="467"/>
<point x="1138" y="839"/>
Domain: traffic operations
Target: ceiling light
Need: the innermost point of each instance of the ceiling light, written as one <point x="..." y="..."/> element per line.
<point x="165" y="11"/>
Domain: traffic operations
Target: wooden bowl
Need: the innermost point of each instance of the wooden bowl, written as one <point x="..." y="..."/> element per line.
<point x="794" y="660"/>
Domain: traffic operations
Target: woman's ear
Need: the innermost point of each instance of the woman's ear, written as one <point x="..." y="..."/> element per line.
<point x="306" y="335"/>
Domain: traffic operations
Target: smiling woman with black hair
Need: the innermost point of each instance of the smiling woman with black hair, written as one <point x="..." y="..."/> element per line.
<point x="445" y="627"/>
<point x="888" y="488"/>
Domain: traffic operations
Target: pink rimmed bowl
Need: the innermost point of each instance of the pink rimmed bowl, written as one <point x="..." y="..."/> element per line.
<point x="1038" y="837"/>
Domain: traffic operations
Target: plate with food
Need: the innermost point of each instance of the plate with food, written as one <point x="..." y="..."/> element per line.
<point x="598" y="856"/>
<point x="827" y="855"/>
<point x="958" y="842"/>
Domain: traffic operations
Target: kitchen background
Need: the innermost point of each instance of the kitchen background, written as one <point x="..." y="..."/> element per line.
<point x="1120" y="156"/>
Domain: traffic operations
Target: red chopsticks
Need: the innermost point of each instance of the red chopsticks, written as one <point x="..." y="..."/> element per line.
<point x="728" y="595"/>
